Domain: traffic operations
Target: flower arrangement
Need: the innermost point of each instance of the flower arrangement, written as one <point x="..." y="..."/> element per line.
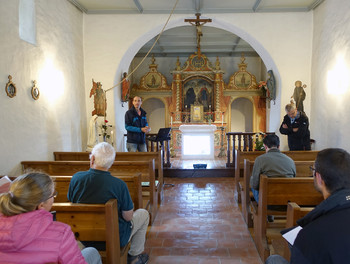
<point x="104" y="128"/>
<point x="259" y="144"/>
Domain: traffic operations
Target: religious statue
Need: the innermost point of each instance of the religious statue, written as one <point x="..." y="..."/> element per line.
<point x="100" y="101"/>
<point x="125" y="88"/>
<point x="198" y="22"/>
<point x="271" y="86"/>
<point x="299" y="95"/>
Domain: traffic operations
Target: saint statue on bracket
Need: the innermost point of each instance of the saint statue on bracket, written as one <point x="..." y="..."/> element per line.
<point x="100" y="101"/>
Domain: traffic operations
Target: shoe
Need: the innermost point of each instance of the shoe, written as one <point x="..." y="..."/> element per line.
<point x="139" y="259"/>
<point x="270" y="218"/>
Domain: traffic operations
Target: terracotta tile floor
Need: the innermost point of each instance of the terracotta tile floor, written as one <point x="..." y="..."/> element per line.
<point x="199" y="222"/>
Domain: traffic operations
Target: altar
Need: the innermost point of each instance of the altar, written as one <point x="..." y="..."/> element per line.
<point x="197" y="141"/>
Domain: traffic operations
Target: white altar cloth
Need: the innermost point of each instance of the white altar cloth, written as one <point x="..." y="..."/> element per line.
<point x="197" y="141"/>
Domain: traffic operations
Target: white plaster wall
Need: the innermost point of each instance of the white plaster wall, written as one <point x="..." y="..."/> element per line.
<point x="283" y="41"/>
<point x="32" y="130"/>
<point x="155" y="110"/>
<point x="330" y="113"/>
<point x="241" y="115"/>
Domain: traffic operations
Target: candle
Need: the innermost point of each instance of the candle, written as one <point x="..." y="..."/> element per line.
<point x="222" y="119"/>
<point x="171" y="121"/>
<point x="112" y="136"/>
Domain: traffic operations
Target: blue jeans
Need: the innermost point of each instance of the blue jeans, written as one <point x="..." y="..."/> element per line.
<point x="133" y="147"/>
<point x="91" y="255"/>
<point x="276" y="259"/>
<point x="256" y="195"/>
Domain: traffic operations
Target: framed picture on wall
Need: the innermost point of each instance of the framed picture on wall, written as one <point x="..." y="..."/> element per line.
<point x="10" y="88"/>
<point x="197" y="113"/>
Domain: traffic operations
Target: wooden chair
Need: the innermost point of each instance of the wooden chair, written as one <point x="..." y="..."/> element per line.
<point x="95" y="222"/>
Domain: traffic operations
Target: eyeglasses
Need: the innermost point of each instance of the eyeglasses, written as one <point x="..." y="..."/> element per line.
<point x="313" y="170"/>
<point x="53" y="196"/>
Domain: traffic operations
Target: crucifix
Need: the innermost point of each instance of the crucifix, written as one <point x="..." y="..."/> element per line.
<point x="198" y="22"/>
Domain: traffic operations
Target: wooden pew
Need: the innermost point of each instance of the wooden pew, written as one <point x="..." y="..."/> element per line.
<point x="123" y="156"/>
<point x="252" y="155"/>
<point x="147" y="156"/>
<point x="119" y="168"/>
<point x="294" y="213"/>
<point x="133" y="183"/>
<point x="279" y="191"/>
<point x="95" y="222"/>
<point x="302" y="170"/>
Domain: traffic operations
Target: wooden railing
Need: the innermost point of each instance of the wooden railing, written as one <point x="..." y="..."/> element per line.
<point x="244" y="141"/>
<point x="154" y="146"/>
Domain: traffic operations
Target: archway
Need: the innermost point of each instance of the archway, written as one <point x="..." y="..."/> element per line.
<point x="125" y="62"/>
<point x="241" y="115"/>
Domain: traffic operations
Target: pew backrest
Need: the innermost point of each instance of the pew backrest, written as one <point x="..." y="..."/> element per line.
<point x="133" y="183"/>
<point x="93" y="222"/>
<point x="294" y="213"/>
<point x="280" y="191"/>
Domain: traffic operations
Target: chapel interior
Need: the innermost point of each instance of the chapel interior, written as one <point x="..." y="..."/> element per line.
<point x="206" y="76"/>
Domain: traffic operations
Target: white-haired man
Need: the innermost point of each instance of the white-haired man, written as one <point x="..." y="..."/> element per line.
<point x="97" y="185"/>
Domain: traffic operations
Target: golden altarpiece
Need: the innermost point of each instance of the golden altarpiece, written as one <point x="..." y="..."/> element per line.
<point x="198" y="95"/>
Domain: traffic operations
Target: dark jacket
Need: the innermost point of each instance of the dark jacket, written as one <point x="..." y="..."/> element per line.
<point x="299" y="140"/>
<point x="133" y="125"/>
<point x="325" y="237"/>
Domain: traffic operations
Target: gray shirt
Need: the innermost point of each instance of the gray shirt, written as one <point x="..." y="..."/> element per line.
<point x="272" y="164"/>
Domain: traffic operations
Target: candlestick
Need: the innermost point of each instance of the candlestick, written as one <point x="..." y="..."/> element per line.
<point x="171" y="121"/>
<point x="222" y="119"/>
<point x="112" y="136"/>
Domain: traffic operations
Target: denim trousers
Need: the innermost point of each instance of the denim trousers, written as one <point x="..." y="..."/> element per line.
<point x="133" y="147"/>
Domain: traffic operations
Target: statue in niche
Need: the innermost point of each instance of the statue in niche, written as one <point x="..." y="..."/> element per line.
<point x="299" y="95"/>
<point x="100" y="101"/>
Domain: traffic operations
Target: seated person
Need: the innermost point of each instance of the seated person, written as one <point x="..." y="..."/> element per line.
<point x="27" y="230"/>
<point x="272" y="164"/>
<point x="97" y="185"/>
<point x="324" y="237"/>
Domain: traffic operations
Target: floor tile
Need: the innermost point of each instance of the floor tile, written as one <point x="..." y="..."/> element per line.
<point x="199" y="222"/>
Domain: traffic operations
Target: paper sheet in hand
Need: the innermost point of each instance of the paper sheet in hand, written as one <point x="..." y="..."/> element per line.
<point x="292" y="234"/>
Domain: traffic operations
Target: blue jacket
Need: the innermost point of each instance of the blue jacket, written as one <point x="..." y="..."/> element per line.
<point x="133" y="125"/>
<point x="325" y="237"/>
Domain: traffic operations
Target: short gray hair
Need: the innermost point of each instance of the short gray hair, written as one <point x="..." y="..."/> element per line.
<point x="104" y="154"/>
<point x="290" y="107"/>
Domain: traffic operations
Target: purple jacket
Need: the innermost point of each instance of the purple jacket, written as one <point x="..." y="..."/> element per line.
<point x="34" y="237"/>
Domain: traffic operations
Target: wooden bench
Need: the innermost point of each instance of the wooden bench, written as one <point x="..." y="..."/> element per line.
<point x="119" y="168"/>
<point x="252" y="155"/>
<point x="302" y="170"/>
<point x="294" y="213"/>
<point x="95" y="222"/>
<point x="279" y="191"/>
<point x="123" y="156"/>
<point x="133" y="183"/>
